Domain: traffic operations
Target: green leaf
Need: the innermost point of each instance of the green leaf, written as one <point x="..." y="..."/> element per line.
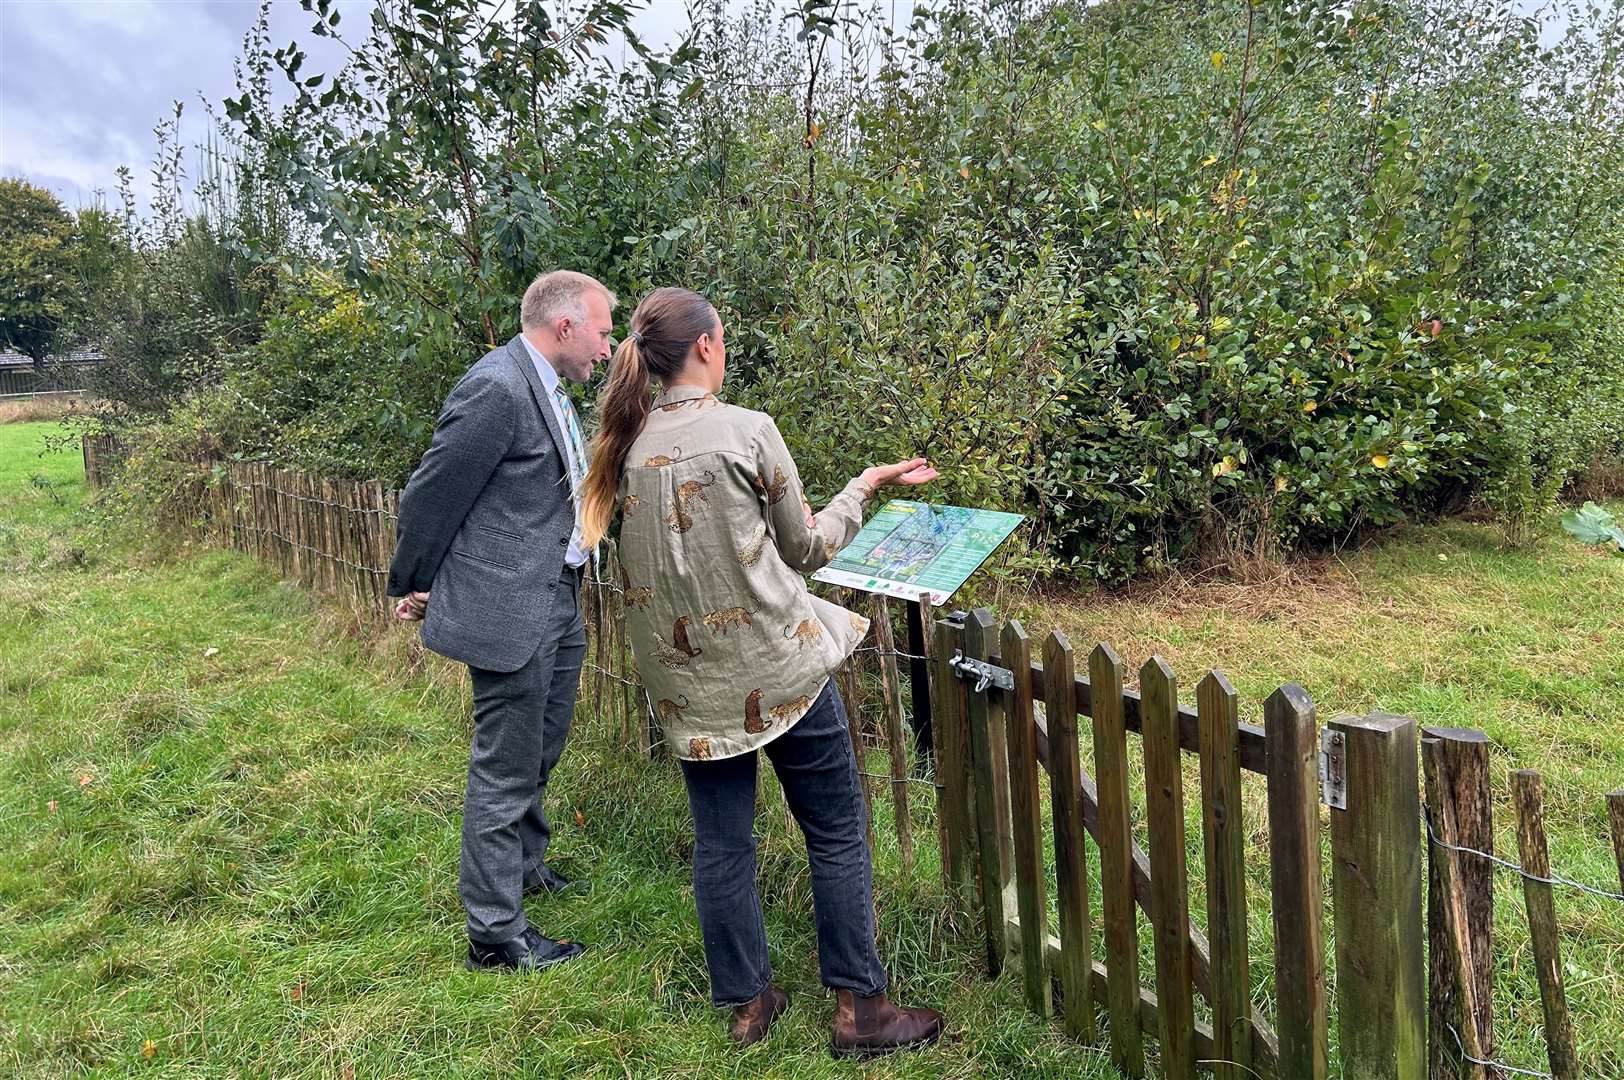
<point x="1594" y="525"/>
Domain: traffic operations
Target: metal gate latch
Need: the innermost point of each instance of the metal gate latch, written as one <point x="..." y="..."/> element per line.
<point x="985" y="674"/>
<point x="1333" y="769"/>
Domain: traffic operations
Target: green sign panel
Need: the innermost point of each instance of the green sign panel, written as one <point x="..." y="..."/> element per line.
<point x="909" y="549"/>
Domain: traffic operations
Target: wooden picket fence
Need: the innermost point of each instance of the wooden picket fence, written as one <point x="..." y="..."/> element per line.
<point x="985" y="720"/>
<point x="1005" y="718"/>
<point x="334" y="537"/>
<point x="996" y="742"/>
<point x="337" y="537"/>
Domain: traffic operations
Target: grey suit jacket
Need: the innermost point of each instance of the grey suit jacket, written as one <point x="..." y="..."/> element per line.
<point x="486" y="519"/>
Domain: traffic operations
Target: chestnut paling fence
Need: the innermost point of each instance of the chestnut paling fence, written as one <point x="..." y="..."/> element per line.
<point x="994" y="724"/>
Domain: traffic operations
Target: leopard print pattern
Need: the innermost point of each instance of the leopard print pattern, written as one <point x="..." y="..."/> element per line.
<point x="695" y="489"/>
<point x="727" y="618"/>
<point x="750" y="553"/>
<point x="753" y="723"/>
<point x="775" y="490"/>
<point x="789" y="710"/>
<point x="807" y="632"/>
<point x="678" y="652"/>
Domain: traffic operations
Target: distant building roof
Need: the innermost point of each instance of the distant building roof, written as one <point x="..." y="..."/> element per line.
<point x="85" y="354"/>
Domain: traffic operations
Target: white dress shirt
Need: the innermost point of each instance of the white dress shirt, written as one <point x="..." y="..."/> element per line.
<point x="577" y="555"/>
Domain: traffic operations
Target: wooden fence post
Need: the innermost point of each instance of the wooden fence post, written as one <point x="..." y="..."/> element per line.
<point x="991" y="765"/>
<point x="1456" y="951"/>
<point x="1026" y="820"/>
<point x="919" y="665"/>
<point x="951" y="724"/>
<point x="1528" y="793"/>
<point x="1615" y="817"/>
<point x="1070" y="830"/>
<point x="1294" y="863"/>
<point x="1119" y="928"/>
<point x="1376" y="899"/>
<point x="895" y="733"/>
<point x="1224" y="837"/>
<point x="1462" y="776"/>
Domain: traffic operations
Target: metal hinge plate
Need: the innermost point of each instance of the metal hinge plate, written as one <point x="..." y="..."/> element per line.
<point x="983" y="673"/>
<point x="1333" y="769"/>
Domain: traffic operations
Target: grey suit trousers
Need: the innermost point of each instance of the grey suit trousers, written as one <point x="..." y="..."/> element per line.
<point x="521" y="721"/>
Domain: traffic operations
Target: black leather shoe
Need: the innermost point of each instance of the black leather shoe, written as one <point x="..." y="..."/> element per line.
<point x="530" y="951"/>
<point x="547" y="880"/>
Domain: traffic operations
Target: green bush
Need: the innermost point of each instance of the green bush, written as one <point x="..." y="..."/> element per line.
<point x="1183" y="283"/>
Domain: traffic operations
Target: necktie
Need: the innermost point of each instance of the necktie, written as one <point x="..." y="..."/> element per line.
<point x="577" y="450"/>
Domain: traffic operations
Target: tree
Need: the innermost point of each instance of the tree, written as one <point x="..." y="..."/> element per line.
<point x="38" y="283"/>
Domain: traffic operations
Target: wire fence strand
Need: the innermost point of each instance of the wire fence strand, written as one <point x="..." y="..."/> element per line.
<point x="1500" y="1065"/>
<point x="1554" y="879"/>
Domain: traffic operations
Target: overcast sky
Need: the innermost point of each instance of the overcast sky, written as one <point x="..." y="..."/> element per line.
<point x="82" y="82"/>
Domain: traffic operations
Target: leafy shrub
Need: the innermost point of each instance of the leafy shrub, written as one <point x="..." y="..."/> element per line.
<point x="1183" y="283"/>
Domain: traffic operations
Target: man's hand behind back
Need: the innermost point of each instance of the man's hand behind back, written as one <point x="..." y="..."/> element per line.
<point x="412" y="606"/>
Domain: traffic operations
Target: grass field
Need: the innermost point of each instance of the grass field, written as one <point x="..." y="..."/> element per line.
<point x="230" y="820"/>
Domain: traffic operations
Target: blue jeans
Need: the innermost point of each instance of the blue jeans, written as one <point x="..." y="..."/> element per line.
<point x="818" y="771"/>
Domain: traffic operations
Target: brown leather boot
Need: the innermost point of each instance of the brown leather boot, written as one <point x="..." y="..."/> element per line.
<point x="867" y="1027"/>
<point x="752" y="1019"/>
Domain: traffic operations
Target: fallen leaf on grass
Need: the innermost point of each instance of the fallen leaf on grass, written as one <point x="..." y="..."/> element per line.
<point x="211" y="651"/>
<point x="580" y="820"/>
<point x="86" y="779"/>
<point x="149" y="1049"/>
<point x="297" y="992"/>
<point x="51" y="806"/>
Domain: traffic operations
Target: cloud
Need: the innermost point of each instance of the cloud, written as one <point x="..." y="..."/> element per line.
<point x="82" y="82"/>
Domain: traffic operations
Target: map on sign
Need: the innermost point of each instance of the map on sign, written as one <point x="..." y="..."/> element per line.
<point x="912" y="548"/>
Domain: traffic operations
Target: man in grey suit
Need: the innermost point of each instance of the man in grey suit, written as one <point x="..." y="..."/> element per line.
<point x="488" y="530"/>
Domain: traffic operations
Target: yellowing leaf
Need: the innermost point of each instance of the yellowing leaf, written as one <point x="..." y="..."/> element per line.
<point x="1379" y="460"/>
<point x="1281" y="483"/>
<point x="1310" y="405"/>
<point x="149" y="1049"/>
<point x="1218" y="60"/>
<point x="1222" y="323"/>
<point x="964" y="172"/>
<point x="1099" y="125"/>
<point x="1225" y="467"/>
<point x="1208" y="160"/>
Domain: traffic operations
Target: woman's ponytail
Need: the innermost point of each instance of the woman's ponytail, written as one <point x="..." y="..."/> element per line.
<point x="665" y="326"/>
<point x="622" y="408"/>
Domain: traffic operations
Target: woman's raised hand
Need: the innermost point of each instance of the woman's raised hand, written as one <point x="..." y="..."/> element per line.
<point x="910" y="473"/>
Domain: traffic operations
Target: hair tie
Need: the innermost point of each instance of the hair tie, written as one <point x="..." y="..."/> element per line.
<point x="635" y="336"/>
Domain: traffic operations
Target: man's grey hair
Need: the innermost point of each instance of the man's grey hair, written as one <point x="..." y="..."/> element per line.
<point x="559" y="294"/>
